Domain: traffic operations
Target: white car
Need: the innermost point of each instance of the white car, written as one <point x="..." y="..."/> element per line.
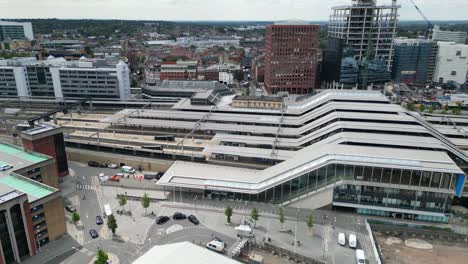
<point x="352" y="240"/>
<point x="216" y="245"/>
<point x="5" y="167"/>
<point x="342" y="239"/>
<point x="112" y="166"/>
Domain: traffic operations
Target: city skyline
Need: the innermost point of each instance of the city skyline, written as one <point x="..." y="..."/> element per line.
<point x="181" y="10"/>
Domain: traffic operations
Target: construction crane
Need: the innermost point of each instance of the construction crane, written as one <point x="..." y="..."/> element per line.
<point x="430" y="26"/>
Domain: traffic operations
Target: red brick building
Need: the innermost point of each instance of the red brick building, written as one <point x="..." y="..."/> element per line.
<point x="291" y="57"/>
<point x="180" y="70"/>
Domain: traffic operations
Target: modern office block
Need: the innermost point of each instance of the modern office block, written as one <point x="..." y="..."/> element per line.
<point x="458" y="37"/>
<point x="451" y="63"/>
<point x="15" y="31"/>
<point x="291" y="57"/>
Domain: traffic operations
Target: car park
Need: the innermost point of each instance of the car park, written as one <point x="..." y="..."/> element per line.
<point x="93" y="164"/>
<point x="178" y="216"/>
<point x="160" y="220"/>
<point x="5" y="167"/>
<point x="99" y="220"/>
<point x="70" y="208"/>
<point x="342" y="239"/>
<point x="93" y="233"/>
<point x="193" y="219"/>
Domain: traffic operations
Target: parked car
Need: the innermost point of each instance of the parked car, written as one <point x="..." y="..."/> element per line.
<point x="93" y="164"/>
<point x="115" y="178"/>
<point x="5" y="167"/>
<point x="360" y="257"/>
<point x="160" y="220"/>
<point x="112" y="166"/>
<point x="103" y="165"/>
<point x="179" y="216"/>
<point x="342" y="239"/>
<point x="352" y="241"/>
<point x="93" y="233"/>
<point x="70" y="208"/>
<point x="193" y="219"/>
<point x="216" y="246"/>
<point x="99" y="220"/>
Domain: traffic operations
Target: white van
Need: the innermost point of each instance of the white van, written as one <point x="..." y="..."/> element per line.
<point x="244" y="231"/>
<point x="342" y="239"/>
<point x="352" y="240"/>
<point x="127" y="169"/>
<point x="215" y="245"/>
<point x="360" y="257"/>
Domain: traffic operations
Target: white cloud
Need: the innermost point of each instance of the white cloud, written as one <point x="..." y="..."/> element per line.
<point x="212" y="9"/>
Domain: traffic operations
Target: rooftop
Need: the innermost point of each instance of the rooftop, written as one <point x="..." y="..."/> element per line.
<point x="20" y="184"/>
<point x="180" y="253"/>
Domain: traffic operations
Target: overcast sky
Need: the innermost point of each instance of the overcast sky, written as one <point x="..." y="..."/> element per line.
<point x="213" y="9"/>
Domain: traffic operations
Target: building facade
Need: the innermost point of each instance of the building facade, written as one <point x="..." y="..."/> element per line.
<point x="458" y="37"/>
<point x="451" y="63"/>
<point x="180" y="70"/>
<point x="291" y="57"/>
<point x="15" y="30"/>
<point x="414" y="60"/>
<point x="56" y="77"/>
<point x="362" y="20"/>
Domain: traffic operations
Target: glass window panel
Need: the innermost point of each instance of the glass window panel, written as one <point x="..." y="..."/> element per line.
<point x="426" y="179"/>
<point x="377" y="175"/>
<point x="278" y="193"/>
<point x="415" y="178"/>
<point x="396" y="175"/>
<point x="358" y="173"/>
<point x="286" y="190"/>
<point x="446" y="181"/>
<point x="322" y="175"/>
<point x="349" y="171"/>
<point x="331" y="173"/>
<point x="294" y="186"/>
<point x="436" y="177"/>
<point x="405" y="177"/>
<point x="387" y="174"/>
<point x="453" y="182"/>
<point x="312" y="180"/>
<point x="339" y="171"/>
<point x="303" y="182"/>
<point x="368" y="174"/>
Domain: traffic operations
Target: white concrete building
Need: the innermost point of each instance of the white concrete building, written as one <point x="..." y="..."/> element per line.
<point x="15" y="30"/>
<point x="451" y="63"/>
<point x="458" y="37"/>
<point x="56" y="77"/>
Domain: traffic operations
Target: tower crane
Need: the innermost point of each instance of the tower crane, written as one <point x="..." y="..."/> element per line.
<point x="430" y="26"/>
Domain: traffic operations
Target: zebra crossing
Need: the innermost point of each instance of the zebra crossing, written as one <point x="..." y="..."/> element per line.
<point x="84" y="187"/>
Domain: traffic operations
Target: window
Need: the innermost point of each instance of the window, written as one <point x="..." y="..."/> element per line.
<point x="454" y="73"/>
<point x="458" y="52"/>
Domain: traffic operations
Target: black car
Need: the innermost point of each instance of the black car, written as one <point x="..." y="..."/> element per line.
<point x="70" y="208"/>
<point x="99" y="220"/>
<point x="160" y="220"/>
<point x="93" y="233"/>
<point x="179" y="216"/>
<point x="93" y="164"/>
<point x="103" y="165"/>
<point x="193" y="220"/>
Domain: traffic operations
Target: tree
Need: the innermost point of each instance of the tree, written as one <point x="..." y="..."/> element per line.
<point x="446" y="108"/>
<point x="422" y="108"/>
<point x="410" y="106"/>
<point x="281" y="216"/>
<point x="254" y="215"/>
<point x="310" y="222"/>
<point x="145" y="202"/>
<point x="122" y="200"/>
<point x="75" y="217"/>
<point x="89" y="51"/>
<point x="101" y="257"/>
<point x="112" y="223"/>
<point x="228" y="212"/>
<point x="432" y="109"/>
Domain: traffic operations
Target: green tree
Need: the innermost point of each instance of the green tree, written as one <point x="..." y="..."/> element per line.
<point x="145" y="202"/>
<point x="432" y="109"/>
<point x="228" y="213"/>
<point x="75" y="217"/>
<point x="122" y="200"/>
<point x="112" y="223"/>
<point x="446" y="108"/>
<point x="89" y="51"/>
<point x="310" y="222"/>
<point x="254" y="215"/>
<point x="281" y="216"/>
<point x="410" y="106"/>
<point x="422" y="108"/>
<point x="101" y="257"/>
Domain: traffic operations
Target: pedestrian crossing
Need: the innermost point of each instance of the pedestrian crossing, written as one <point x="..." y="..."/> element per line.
<point x="84" y="187"/>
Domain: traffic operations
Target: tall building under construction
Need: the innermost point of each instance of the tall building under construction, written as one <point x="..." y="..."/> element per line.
<point x="363" y="20"/>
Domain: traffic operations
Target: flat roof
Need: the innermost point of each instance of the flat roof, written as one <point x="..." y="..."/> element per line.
<point x="18" y="157"/>
<point x="33" y="189"/>
<point x="181" y="253"/>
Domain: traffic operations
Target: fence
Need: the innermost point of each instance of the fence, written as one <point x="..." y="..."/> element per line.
<point x="375" y="247"/>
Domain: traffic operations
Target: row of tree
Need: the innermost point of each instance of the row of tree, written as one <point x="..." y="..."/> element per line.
<point x="255" y="215"/>
<point x="422" y="108"/>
